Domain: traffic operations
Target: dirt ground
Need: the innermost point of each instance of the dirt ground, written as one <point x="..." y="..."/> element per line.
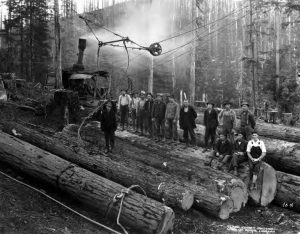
<point x="25" y="211"/>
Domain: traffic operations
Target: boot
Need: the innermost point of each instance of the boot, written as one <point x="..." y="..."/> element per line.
<point x="235" y="172"/>
<point x="107" y="150"/>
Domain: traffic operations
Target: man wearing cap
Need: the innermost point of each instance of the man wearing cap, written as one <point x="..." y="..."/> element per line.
<point x="247" y="121"/>
<point x="172" y="116"/>
<point x="256" y="151"/>
<point x="228" y="119"/>
<point x="211" y="123"/>
<point x="123" y="106"/>
<point x="158" y="117"/>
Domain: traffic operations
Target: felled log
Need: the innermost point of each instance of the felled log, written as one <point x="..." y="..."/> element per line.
<point x="266" y="184"/>
<point x="288" y="191"/>
<point x="22" y="107"/>
<point x="282" y="155"/>
<point x="274" y="131"/>
<point x="138" y="211"/>
<point x="193" y="171"/>
<point x="156" y="183"/>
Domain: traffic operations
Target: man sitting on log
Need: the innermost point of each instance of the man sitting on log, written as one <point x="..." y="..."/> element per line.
<point x="222" y="151"/>
<point x="108" y="125"/>
<point x="239" y="153"/>
<point x="247" y="121"/>
<point x="256" y="151"/>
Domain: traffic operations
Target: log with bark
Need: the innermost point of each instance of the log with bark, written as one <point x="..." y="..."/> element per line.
<point x="138" y="211"/>
<point x="288" y="191"/>
<point x="274" y="131"/>
<point x="156" y="185"/>
<point x="192" y="170"/>
<point x="159" y="185"/>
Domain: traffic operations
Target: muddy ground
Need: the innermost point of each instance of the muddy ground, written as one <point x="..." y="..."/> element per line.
<point x="23" y="210"/>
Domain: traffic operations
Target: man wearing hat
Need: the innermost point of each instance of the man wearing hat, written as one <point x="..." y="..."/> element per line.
<point x="247" y="121"/>
<point x="211" y="123"/>
<point x="158" y="118"/>
<point x="227" y="118"/>
<point x="141" y="115"/>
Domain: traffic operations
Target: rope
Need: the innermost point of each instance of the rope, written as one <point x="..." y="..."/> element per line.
<point x="120" y="197"/>
<point x="60" y="203"/>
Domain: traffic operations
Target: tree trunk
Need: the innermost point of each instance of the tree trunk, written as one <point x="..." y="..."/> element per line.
<point x="138" y="211"/>
<point x="288" y="190"/>
<point x="192" y="170"/>
<point x="159" y="185"/>
<point x="274" y="131"/>
<point x="282" y="155"/>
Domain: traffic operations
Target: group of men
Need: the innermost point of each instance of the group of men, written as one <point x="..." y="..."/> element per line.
<point x="157" y="117"/>
<point x="236" y="144"/>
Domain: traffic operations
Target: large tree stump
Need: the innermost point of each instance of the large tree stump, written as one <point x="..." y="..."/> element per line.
<point x="138" y="211"/>
<point x="274" y="131"/>
<point x="193" y="171"/>
<point x="156" y="183"/>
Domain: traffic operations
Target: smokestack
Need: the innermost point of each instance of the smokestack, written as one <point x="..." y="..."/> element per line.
<point x="81" y="47"/>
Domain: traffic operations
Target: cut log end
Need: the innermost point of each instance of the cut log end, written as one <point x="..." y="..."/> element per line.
<point x="226" y="209"/>
<point x="266" y="186"/>
<point x="239" y="198"/>
<point x="187" y="200"/>
<point x="167" y="222"/>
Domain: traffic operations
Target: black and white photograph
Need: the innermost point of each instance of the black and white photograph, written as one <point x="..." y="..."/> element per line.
<point x="149" y="116"/>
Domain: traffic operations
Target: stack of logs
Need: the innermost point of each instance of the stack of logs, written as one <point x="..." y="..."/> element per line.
<point x="170" y="175"/>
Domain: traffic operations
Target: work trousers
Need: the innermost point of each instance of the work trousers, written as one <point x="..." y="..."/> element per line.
<point x="159" y="127"/>
<point x="237" y="159"/>
<point x="254" y="167"/>
<point x="189" y="131"/>
<point x="109" y="138"/>
<point x="210" y="133"/>
<point x="124" y="110"/>
<point x="171" y="129"/>
<point x="247" y="132"/>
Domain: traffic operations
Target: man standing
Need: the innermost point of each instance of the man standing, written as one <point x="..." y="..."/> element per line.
<point x="158" y="117"/>
<point x="148" y="112"/>
<point x="211" y="123"/>
<point x="227" y="118"/>
<point x="133" y="107"/>
<point x="187" y="123"/>
<point x="141" y="112"/>
<point x="247" y="121"/>
<point x="123" y="106"/>
<point x="108" y="125"/>
<point x="172" y="116"/>
<point x="256" y="151"/>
